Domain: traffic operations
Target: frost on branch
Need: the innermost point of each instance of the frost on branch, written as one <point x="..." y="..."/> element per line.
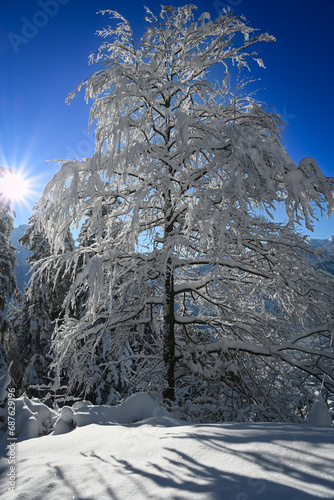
<point x="178" y="280"/>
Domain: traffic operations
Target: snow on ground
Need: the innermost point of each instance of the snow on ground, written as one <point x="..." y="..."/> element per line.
<point x="97" y="453"/>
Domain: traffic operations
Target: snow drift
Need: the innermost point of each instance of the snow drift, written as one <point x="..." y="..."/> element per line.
<point x="34" y="418"/>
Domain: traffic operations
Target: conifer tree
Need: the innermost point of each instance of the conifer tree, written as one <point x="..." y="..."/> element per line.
<point x="33" y="318"/>
<point x="7" y="289"/>
<point x="7" y="262"/>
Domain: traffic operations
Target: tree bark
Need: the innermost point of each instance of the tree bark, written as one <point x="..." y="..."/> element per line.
<point x="168" y="308"/>
<point x="169" y="335"/>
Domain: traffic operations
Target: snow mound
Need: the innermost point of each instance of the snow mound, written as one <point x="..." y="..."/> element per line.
<point x="136" y="408"/>
<point x="34" y="418"/>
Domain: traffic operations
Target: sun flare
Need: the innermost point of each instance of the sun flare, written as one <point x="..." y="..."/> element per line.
<point x="13" y="186"/>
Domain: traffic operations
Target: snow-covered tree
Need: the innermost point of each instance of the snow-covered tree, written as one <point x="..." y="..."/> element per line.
<point x="7" y="289"/>
<point x="190" y="173"/>
<point x="5" y="380"/>
<point x="7" y="261"/>
<point x="32" y="317"/>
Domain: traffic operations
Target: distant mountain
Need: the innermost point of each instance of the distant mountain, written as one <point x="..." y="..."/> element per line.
<point x="326" y="244"/>
<point x="22" y="269"/>
<point x="327" y="248"/>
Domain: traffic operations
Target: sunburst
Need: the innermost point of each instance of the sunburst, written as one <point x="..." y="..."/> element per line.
<point x="15" y="188"/>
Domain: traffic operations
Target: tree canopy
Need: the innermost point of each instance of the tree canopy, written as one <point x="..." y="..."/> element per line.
<point x="186" y="284"/>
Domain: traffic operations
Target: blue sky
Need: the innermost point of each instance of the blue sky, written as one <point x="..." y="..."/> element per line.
<point x="44" y="49"/>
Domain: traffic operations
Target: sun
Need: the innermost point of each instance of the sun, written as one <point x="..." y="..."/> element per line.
<point x="13" y="186"/>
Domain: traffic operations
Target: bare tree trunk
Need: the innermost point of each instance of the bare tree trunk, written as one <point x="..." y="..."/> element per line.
<point x="168" y="308"/>
<point x="169" y="335"/>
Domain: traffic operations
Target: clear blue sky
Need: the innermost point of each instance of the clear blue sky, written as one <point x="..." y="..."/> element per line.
<point x="44" y="49"/>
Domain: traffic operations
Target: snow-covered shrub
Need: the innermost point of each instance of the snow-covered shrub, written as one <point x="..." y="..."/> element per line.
<point x="319" y="414"/>
<point x="33" y="418"/>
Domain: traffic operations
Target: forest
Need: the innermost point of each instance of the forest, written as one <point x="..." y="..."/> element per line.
<point x="157" y="263"/>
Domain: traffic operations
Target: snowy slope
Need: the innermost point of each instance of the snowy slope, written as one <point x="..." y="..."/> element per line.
<point x="158" y="458"/>
<point x="327" y="247"/>
<point x="326" y="244"/>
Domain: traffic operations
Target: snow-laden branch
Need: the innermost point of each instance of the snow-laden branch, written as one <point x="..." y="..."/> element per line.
<point x="173" y="249"/>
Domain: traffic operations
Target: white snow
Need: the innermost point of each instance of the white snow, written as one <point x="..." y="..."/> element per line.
<point x="319" y="414"/>
<point x="110" y="455"/>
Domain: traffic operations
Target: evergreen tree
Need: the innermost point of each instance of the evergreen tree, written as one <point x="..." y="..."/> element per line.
<point x="5" y="380"/>
<point x="32" y="319"/>
<point x="7" y="263"/>
<point x="7" y="289"/>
